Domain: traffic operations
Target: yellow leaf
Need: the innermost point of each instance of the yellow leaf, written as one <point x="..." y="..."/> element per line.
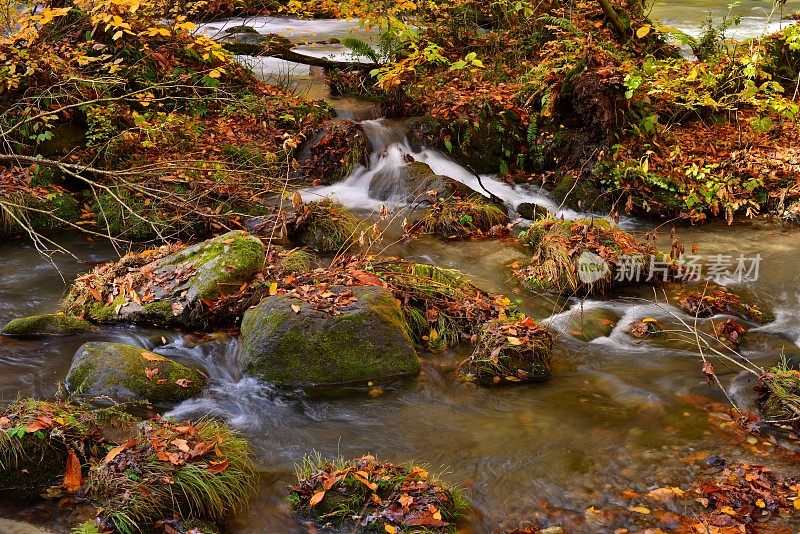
<point x="390" y="529"/>
<point x="643" y="31"/>
<point x="316" y="498"/>
<point x="797" y="503"/>
<point x="116" y="35"/>
<point x="639" y="510"/>
<point x="513" y="340"/>
<point x="216" y="73"/>
<point x="649" y="320"/>
<point x="296" y="308"/>
<point x="273" y="288"/>
<point x="761" y="504"/>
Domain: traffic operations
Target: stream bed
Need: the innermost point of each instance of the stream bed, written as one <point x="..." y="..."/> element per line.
<point x="618" y="413"/>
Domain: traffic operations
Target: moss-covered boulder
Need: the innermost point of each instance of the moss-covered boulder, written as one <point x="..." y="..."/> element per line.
<point x="168" y="286"/>
<point x="509" y="352"/>
<point x="531" y="211"/>
<point x="55" y="324"/>
<point x="289" y="342"/>
<point x="126" y="373"/>
<point x="412" y="182"/>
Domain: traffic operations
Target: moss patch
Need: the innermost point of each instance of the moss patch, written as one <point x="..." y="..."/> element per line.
<point x="325" y="226"/>
<point x="368" y="341"/>
<point x="48" y="324"/>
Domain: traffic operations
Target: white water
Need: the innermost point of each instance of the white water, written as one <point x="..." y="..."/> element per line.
<point x="391" y="148"/>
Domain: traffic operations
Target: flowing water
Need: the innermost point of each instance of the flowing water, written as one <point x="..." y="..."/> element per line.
<point x="618" y="413"/>
<point x="757" y="16"/>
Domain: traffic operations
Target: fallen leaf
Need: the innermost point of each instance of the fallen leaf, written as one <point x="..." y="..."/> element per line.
<point x="181" y="444"/>
<point x="73" y="479"/>
<point x="218" y="467"/>
<point x="296" y="308"/>
<point x="316" y="499"/>
<point x="152" y="357"/>
<point x="183" y="382"/>
<point x="113" y="453"/>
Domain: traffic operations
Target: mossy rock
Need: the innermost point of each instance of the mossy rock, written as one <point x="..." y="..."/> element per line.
<point x="587" y="325"/>
<point x="55" y="324"/>
<point x="531" y="211"/>
<point x="119" y="372"/>
<point x="202" y="272"/>
<point x="368" y="341"/>
<point x="509" y="352"/>
<point x="580" y="194"/>
<point x="331" y="154"/>
<point x="412" y="182"/>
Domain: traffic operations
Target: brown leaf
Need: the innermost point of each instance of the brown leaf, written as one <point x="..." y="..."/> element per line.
<point x="73" y="479"/>
<point x="183" y="382"/>
<point x="150" y="373"/>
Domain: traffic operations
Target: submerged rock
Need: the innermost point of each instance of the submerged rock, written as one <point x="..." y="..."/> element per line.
<point x="126" y="373"/>
<point x="412" y="182"/>
<point x="167" y="287"/>
<point x="587" y="325"/>
<point x="509" y="352"/>
<point x="55" y="324"/>
<point x="288" y="342"/>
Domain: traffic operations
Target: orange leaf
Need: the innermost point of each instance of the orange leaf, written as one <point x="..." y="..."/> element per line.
<point x="180" y="444"/>
<point x="218" y="467"/>
<point x="316" y="499"/>
<point x="150" y="373"/>
<point x="152" y="357"/>
<point x="73" y="479"/>
<point x="95" y="294"/>
<point x="113" y="453"/>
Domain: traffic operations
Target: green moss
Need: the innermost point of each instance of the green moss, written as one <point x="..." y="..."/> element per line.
<point x="106" y="313"/>
<point x="462" y="218"/>
<point x="580" y="194"/>
<point x="222" y="263"/>
<point x="326" y="226"/>
<point x="297" y="260"/>
<point x="311" y="348"/>
<point x="52" y="324"/>
<point x="115" y="369"/>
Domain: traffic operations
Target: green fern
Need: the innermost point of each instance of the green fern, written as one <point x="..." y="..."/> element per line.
<point x="533" y="131"/>
<point x="361" y="48"/>
<point x="564" y="24"/>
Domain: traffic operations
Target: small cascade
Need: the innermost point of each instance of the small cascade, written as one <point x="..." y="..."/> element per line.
<point x="392" y="150"/>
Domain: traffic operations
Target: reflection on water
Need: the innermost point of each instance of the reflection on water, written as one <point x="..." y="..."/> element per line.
<point x="757" y="16"/>
<point x="613" y="416"/>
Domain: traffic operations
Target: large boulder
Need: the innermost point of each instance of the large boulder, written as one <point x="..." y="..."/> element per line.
<point x="126" y="373"/>
<point x="54" y="324"/>
<point x="288" y="342"/>
<point x="412" y="182"/>
<point x="167" y="288"/>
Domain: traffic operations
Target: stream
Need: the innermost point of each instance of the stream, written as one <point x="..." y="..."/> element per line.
<point x="618" y="413"/>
